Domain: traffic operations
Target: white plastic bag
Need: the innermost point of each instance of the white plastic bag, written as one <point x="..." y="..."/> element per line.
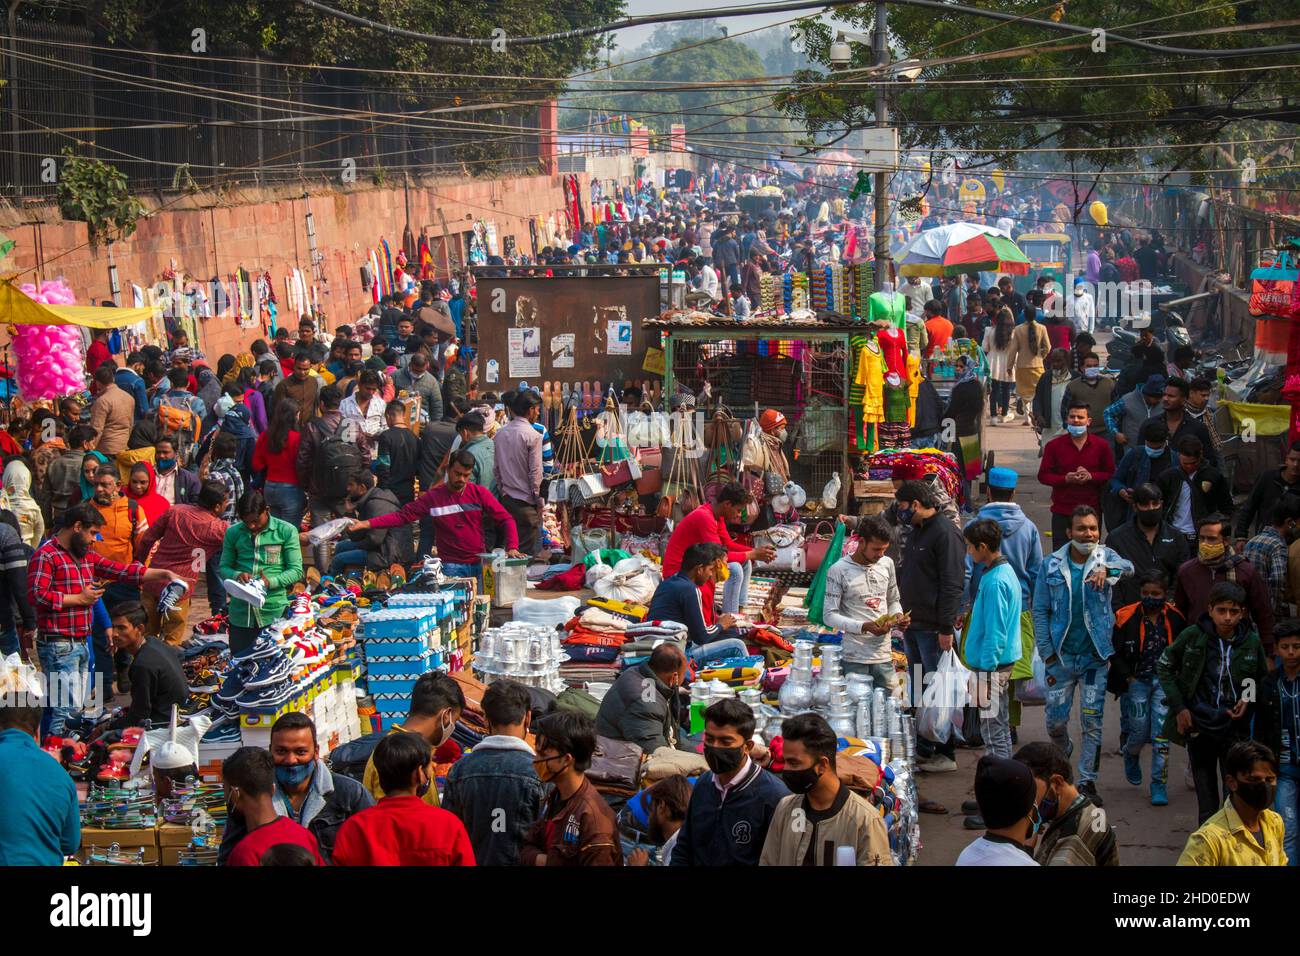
<point x="1034" y="690"/>
<point x="633" y="580"/>
<point x="545" y="612"/>
<point x="939" y="716"/>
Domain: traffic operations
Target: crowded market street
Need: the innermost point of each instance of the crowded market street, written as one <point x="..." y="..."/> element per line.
<point x="606" y="435"/>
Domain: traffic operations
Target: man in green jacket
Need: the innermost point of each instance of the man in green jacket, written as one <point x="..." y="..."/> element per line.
<point x="264" y="548"/>
<point x="1212" y="676"/>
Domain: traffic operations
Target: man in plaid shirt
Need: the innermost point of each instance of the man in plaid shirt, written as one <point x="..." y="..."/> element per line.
<point x="1267" y="551"/>
<point x="62" y="588"/>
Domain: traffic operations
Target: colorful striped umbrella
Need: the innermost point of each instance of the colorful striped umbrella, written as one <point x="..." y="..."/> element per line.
<point x="985" y="253"/>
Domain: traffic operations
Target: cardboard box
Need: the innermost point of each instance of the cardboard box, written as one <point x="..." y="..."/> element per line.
<point x="128" y="840"/>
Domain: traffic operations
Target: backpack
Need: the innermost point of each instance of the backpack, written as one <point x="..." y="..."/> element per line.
<point x="350" y="759"/>
<point x="336" y="460"/>
<point x="177" y="421"/>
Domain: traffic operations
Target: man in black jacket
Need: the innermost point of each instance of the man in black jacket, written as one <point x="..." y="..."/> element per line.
<point x="1194" y="489"/>
<point x="14" y="558"/>
<point x="374" y="548"/>
<point x="305" y="789"/>
<point x="1149" y="541"/>
<point x="1269" y="489"/>
<point x="931" y="590"/>
<point x="641" y="706"/>
<point x="157" y="681"/>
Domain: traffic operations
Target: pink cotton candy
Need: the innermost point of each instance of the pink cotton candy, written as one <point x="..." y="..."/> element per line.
<point x="51" y="360"/>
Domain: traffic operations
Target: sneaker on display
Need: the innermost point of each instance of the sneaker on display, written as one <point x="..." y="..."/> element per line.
<point x="171" y="596"/>
<point x="270" y="671"/>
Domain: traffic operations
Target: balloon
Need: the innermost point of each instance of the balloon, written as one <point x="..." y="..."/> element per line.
<point x="1097" y="210"/>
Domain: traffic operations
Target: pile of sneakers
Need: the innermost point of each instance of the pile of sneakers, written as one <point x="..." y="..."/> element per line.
<point x="260" y="676"/>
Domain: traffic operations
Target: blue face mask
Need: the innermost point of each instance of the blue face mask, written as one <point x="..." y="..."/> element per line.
<point x="294" y="775"/>
<point x="905" y="515"/>
<point x="165" y="464"/>
<point x="1077" y="430"/>
<point x="1154" y="452"/>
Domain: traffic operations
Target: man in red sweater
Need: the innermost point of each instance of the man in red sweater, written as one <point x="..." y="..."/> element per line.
<point x="248" y="776"/>
<point x="456" y="507"/>
<point x="1076" y="466"/>
<point x="707" y="524"/>
<point x="401" y="829"/>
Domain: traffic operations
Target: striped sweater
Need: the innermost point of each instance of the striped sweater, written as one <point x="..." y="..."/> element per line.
<point x="457" y="520"/>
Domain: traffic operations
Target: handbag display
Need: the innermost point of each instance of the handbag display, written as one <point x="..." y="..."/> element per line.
<point x="722" y="430"/>
<point x="651" y="479"/>
<point x="816" y="545"/>
<point x="788" y="540"/>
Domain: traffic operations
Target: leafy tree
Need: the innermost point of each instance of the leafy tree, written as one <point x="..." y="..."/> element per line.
<point x="1044" y="88"/>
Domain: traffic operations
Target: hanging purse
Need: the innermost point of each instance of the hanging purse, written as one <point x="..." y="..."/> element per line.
<point x="787" y="539"/>
<point x="816" y="545"/>
<point x="652" y="474"/>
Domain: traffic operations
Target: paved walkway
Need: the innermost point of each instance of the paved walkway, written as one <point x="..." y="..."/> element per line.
<point x="1147" y="835"/>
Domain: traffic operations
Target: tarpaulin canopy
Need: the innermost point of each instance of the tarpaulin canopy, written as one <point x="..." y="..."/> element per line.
<point x="17" y="309"/>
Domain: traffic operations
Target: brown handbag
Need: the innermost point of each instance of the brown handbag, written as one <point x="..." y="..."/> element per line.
<point x="816" y="545"/>
<point x="722" y="431"/>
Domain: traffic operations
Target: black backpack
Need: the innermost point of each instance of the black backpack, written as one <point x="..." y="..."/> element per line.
<point x="336" y="460"/>
<point x="350" y="759"/>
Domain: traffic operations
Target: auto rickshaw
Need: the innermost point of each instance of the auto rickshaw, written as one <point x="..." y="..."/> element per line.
<point x="1046" y="251"/>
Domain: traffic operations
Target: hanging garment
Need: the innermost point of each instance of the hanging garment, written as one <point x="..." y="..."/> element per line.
<point x="893" y="344"/>
<point x="889" y="306"/>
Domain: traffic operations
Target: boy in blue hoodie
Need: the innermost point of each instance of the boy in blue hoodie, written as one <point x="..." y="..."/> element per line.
<point x="1022" y="546"/>
<point x="992" y="640"/>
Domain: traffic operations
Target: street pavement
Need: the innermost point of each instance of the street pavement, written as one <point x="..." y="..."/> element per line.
<point x="1148" y="835"/>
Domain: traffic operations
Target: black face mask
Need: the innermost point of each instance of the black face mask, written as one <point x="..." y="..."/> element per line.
<point x="800" y="781"/>
<point x="1049" y="806"/>
<point x="1149" y="519"/>
<point x="724" y="760"/>
<point x="1257" y="796"/>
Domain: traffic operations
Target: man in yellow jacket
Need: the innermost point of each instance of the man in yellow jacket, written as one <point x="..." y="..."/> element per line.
<point x="820" y="815"/>
<point x="436" y="704"/>
<point x="1246" y="832"/>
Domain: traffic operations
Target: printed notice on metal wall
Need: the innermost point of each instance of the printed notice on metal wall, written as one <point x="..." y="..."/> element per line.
<point x="525" y="352"/>
<point x="619" y="337"/>
<point x="562" y="349"/>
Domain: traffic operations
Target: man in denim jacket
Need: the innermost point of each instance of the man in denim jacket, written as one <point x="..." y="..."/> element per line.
<point x="1073" y="618"/>
<point x="494" y="789"/>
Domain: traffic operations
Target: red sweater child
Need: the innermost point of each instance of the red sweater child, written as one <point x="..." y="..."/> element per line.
<point x="699" y="527"/>
<point x="1061" y="457"/>
<point x="403" y="831"/>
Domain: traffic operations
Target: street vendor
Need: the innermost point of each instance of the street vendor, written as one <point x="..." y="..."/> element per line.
<point x="456" y="508"/>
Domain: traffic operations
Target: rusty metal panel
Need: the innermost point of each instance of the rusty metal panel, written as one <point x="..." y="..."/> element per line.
<point x="581" y="306"/>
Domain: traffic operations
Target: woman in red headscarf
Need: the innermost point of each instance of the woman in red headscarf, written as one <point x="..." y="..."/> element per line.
<point x="143" y="487"/>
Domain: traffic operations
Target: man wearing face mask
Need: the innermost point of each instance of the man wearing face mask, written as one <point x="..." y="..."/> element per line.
<point x="1127" y="417"/>
<point x="402" y="829"/>
<point x="1144" y="461"/>
<point x="1073" y="621"/>
<point x="1147" y="541"/>
<point x="1008" y="797"/>
<point x="1074" y="831"/>
<point x="1246" y="832"/>
<point x="306" y="792"/>
<point x="577" y="827"/>
<point x="1091" y="389"/>
<point x="436" y="705"/>
<point x="1215" y="562"/>
<point x="821" y="814"/>
<point x="1076" y="466"/>
<point x="642" y="706"/>
<point x="733" y="804"/>
<point x="248" y="778"/>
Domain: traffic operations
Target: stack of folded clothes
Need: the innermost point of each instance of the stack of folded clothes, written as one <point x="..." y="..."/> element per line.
<point x="734" y="671"/>
<point x="645" y="636"/>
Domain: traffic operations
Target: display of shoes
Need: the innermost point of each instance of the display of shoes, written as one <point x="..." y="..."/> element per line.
<point x="264" y="646"/>
<point x="271" y="695"/>
<point x="269" y="671"/>
<point x="233" y="685"/>
<point x="252" y="592"/>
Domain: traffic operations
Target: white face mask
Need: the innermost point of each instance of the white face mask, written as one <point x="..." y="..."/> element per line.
<point x="1085" y="547"/>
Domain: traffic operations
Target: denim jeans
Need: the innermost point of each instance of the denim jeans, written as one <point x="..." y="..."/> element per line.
<point x="735" y="590"/>
<point x="66" y="668"/>
<point x="922" y="648"/>
<point x="348" y="554"/>
<point x="287" y="502"/>
<point x="1287" y="805"/>
<point x="1000" y="400"/>
<point x="218" y="599"/>
<point x="882" y="675"/>
<point x="721" y="650"/>
<point x="1087" y="673"/>
<point x="461" y="570"/>
<point x="9" y="643"/>
<point x="1143" y="709"/>
<point x="995" y="711"/>
<point x="101" y="660"/>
